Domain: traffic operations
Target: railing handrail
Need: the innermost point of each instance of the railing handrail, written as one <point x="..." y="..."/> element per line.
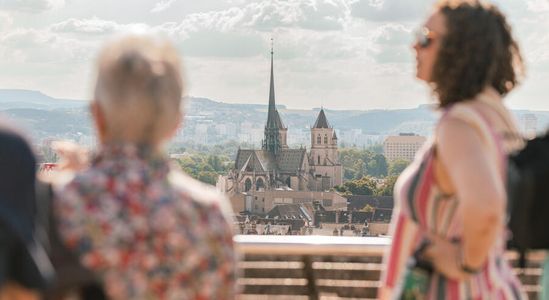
<point x="311" y="245"/>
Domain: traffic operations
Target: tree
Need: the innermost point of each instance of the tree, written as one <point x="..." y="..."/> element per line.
<point x="396" y="167"/>
<point x="358" y="163"/>
<point x="388" y="186"/>
<point x="377" y="165"/>
<point x="363" y="186"/>
<point x="377" y="149"/>
<point x="368" y="208"/>
<point x="204" y="167"/>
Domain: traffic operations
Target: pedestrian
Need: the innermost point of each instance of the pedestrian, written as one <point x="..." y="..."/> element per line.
<point x="145" y="228"/>
<point x="448" y="229"/>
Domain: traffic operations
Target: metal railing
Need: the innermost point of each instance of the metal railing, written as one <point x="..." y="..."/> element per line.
<point x="328" y="267"/>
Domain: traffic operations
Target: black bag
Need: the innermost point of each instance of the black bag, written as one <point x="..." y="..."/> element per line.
<point x="417" y="276"/>
<point x="528" y="196"/>
<point x="71" y="277"/>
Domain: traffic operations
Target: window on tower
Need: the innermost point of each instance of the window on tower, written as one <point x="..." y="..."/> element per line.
<point x="325" y="139"/>
<point x="318" y="139"/>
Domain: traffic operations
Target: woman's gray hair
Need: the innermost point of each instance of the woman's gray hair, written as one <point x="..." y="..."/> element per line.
<point x="139" y="87"/>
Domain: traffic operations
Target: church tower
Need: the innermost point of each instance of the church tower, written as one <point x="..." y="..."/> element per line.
<point x="275" y="131"/>
<point x="324" y="156"/>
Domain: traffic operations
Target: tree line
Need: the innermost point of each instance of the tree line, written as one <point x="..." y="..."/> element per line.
<point x="365" y="171"/>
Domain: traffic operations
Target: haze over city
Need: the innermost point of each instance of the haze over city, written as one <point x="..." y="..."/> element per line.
<point x="341" y="54"/>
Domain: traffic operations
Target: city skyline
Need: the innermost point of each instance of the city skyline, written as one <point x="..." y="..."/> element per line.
<point x="340" y="54"/>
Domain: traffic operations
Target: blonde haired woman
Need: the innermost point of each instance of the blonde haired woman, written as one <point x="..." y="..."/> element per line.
<point x="147" y="230"/>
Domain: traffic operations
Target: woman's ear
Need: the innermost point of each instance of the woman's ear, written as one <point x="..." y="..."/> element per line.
<point x="99" y="120"/>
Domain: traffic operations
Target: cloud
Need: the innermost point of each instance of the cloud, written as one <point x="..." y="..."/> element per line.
<point x="162" y="5"/>
<point x="31" y="6"/>
<point x="42" y="47"/>
<point x="538" y="5"/>
<point x="96" y="26"/>
<point x="391" y="43"/>
<point x="390" y="10"/>
<point x="267" y="15"/>
<point x="6" y="21"/>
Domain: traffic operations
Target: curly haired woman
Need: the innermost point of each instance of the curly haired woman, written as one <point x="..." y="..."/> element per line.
<point x="452" y="198"/>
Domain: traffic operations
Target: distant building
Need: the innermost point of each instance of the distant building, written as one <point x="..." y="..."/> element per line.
<point x="403" y="146"/>
<point x="262" y="202"/>
<point x="275" y="171"/>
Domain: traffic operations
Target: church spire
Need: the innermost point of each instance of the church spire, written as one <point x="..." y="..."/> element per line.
<point x="272" y="106"/>
<point x="274" y="125"/>
<point x="273" y="119"/>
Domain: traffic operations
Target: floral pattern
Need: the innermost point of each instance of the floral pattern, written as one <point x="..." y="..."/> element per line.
<point x="147" y="229"/>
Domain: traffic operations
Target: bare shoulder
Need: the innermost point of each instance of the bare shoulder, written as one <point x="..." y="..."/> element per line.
<point x="456" y="132"/>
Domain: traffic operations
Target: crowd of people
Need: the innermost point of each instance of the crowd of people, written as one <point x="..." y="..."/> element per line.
<point x="123" y="223"/>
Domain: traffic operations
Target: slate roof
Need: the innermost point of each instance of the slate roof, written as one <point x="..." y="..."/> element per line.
<point x="321" y="120"/>
<point x="287" y="161"/>
<point x="290" y="211"/>
<point x="291" y="160"/>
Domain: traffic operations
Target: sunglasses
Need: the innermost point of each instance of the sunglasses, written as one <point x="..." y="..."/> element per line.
<point x="425" y="37"/>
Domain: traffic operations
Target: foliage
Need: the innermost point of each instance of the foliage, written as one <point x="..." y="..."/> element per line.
<point x="363" y="186"/>
<point x="368" y="208"/>
<point x="388" y="186"/>
<point x="368" y="186"/>
<point x="205" y="167"/>
<point x="228" y="149"/>
<point x="357" y="163"/>
<point x="396" y="167"/>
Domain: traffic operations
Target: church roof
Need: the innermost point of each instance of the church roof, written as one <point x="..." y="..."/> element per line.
<point x="291" y="211"/>
<point x="321" y="120"/>
<point x="291" y="160"/>
<point x="287" y="161"/>
<point x="254" y="160"/>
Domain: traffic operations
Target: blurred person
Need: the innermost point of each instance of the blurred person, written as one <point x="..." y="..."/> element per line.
<point x="448" y="228"/>
<point x="25" y="270"/>
<point x="148" y="230"/>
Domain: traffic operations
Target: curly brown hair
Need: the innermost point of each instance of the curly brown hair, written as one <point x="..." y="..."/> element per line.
<point x="478" y="50"/>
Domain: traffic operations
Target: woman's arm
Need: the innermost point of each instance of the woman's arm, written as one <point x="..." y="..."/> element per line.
<point x="473" y="171"/>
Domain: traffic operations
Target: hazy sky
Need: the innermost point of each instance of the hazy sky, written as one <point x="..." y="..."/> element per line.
<point x="337" y="53"/>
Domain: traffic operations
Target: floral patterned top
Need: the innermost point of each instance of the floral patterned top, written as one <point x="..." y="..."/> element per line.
<point x="147" y="229"/>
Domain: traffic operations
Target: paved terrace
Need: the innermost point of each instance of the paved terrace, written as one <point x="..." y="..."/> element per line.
<point x="328" y="267"/>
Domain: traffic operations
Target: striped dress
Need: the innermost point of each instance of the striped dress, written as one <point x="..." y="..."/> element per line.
<point x="422" y="207"/>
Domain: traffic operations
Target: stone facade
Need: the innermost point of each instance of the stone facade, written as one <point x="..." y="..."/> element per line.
<point x="277" y="168"/>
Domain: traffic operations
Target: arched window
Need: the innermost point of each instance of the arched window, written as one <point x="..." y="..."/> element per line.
<point x="248" y="185"/>
<point x="318" y="139"/>
<point x="325" y="139"/>
<point x="319" y="159"/>
<point x="259" y="184"/>
<point x="289" y="182"/>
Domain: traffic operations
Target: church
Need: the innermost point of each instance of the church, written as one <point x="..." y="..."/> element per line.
<point x="276" y="167"/>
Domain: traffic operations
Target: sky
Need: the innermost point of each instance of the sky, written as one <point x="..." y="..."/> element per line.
<point x="339" y="54"/>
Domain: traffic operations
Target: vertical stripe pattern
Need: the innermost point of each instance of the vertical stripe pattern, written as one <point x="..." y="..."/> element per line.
<point x="421" y="207"/>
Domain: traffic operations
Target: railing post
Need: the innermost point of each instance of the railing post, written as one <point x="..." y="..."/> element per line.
<point x="310" y="275"/>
